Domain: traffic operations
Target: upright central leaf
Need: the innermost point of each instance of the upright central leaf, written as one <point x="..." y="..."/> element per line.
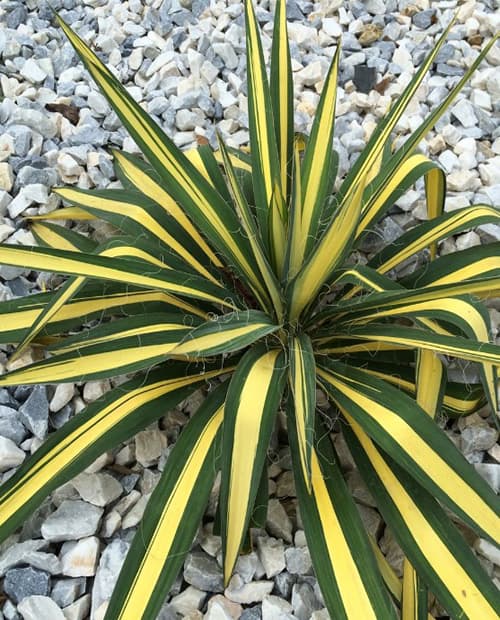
<point x="268" y="190"/>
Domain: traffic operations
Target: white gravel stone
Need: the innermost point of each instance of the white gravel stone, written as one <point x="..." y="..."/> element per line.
<point x="63" y="393"/>
<point x="332" y="27"/>
<point x="28" y="552"/>
<point x="99" y="489"/>
<point x="79" y="559"/>
<point x="220" y="608"/>
<point x="79" y="610"/>
<point x="6" y="176"/>
<point x="95" y="389"/>
<point x="488" y="550"/>
<point x="271" y="553"/>
<point x="149" y="446"/>
<point x="74" y="519"/>
<point x="32" y="71"/>
<point x="39" y="608"/>
<point x="68" y="166"/>
<point x="133" y="516"/>
<point x="227" y="53"/>
<point x="462" y="180"/>
<point x="10" y="454"/>
<point x="275" y="608"/>
<point x="278" y="522"/>
<point x="188" y="600"/>
<point x="98" y="103"/>
<point x="468" y="240"/>
<point x="490" y="172"/>
<point x="463" y="111"/>
<point x="247" y="593"/>
<point x="448" y="160"/>
<point x="109" y="567"/>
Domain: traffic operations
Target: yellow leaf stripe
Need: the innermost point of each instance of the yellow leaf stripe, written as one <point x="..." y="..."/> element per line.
<point x="458" y="220"/>
<point x="52" y="238"/>
<point x="140" y="215"/>
<point x="461" y="586"/>
<point x="378" y="199"/>
<point x="295" y="230"/>
<point x="87" y="433"/>
<point x="303" y="416"/>
<point x="284" y="103"/>
<point x="432" y="344"/>
<point x="454" y="306"/>
<point x="478" y="268"/>
<point x="350" y="585"/>
<point x="326" y="254"/>
<point x="429" y="375"/>
<point x="85" y="364"/>
<point x="150" y="188"/>
<point x="259" y="108"/>
<point x="196" y="346"/>
<point x="164" y="535"/>
<point x="246" y="441"/>
<point x="66" y="213"/>
<point x="318" y="152"/>
<point x="143" y="330"/>
<point x="461" y="406"/>
<point x="419" y="451"/>
<point x="435" y="193"/>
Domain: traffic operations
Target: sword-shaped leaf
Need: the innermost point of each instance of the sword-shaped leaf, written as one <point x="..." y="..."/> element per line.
<point x="302" y="381"/>
<point x="342" y="556"/>
<point x="112" y="419"/>
<point x="252" y="401"/>
<point x="317" y="182"/>
<point x="326" y="256"/>
<point x="425" y="533"/>
<point x="263" y="149"/>
<point x="159" y="547"/>
<point x="56" y="236"/>
<point x="225" y="334"/>
<point x="92" y="301"/>
<point x="281" y="91"/>
<point x="122" y="346"/>
<point x="401" y="428"/>
<point x="428" y="233"/>
<point x="250" y="227"/>
<point x="137" y="272"/>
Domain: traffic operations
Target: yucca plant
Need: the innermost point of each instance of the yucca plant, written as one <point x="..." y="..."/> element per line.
<point x="233" y="270"/>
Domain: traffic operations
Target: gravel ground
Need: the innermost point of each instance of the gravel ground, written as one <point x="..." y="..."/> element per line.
<point x="185" y="62"/>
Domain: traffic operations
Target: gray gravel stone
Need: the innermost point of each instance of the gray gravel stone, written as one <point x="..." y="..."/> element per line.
<point x="424" y="19"/>
<point x="40" y="608"/>
<point x="28" y="552"/>
<point x="203" y="572"/>
<point x="304" y="602"/>
<point x="73" y="519"/>
<point x="66" y="591"/>
<point x="107" y="572"/>
<point x="34" y="412"/>
<point x="22" y="582"/>
<point x="10" y="454"/>
<point x="298" y="560"/>
<point x="10" y="426"/>
<point x="478" y="437"/>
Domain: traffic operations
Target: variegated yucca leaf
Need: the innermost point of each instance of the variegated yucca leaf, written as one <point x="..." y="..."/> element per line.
<point x="233" y="271"/>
